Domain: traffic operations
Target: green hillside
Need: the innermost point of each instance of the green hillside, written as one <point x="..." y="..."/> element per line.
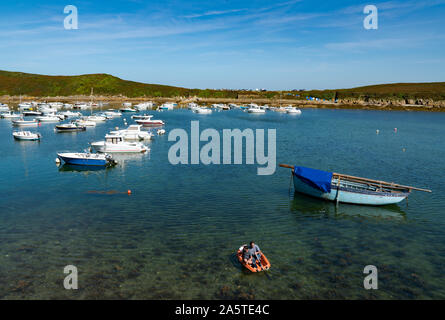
<point x="17" y="83"/>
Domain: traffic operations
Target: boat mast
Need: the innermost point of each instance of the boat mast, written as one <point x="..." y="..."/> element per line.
<point x="91" y="100"/>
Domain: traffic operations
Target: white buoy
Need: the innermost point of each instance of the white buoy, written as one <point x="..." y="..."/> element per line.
<point x="57" y="161"/>
<point x="378" y="131"/>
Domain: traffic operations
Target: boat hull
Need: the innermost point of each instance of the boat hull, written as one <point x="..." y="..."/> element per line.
<point x="348" y="194"/>
<point x="79" y="161"/>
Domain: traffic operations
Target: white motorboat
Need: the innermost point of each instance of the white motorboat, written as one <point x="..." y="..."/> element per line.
<point x="25" y="106"/>
<point x="254" y="108"/>
<point x="69" y="127"/>
<point x="96" y="118"/>
<point x="10" y="115"/>
<point x="280" y="109"/>
<point x="56" y="105"/>
<point x="150" y="123"/>
<point x="112" y="114"/>
<point x="168" y="106"/>
<point x="292" y="110"/>
<point x="70" y="114"/>
<point x="133" y="132"/>
<point x="202" y="110"/>
<point x="115" y="143"/>
<point x="4" y="107"/>
<point x="144" y="106"/>
<point x="141" y="117"/>
<point x="49" y="118"/>
<point x="31" y="113"/>
<point x="85" y="123"/>
<point x="127" y="109"/>
<point x="25" y="123"/>
<point x="81" y="106"/>
<point x="26" y="135"/>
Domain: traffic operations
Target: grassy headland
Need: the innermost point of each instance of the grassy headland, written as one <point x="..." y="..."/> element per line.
<point x="391" y="96"/>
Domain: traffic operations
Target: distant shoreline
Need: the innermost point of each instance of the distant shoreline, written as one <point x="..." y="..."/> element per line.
<point x="304" y="104"/>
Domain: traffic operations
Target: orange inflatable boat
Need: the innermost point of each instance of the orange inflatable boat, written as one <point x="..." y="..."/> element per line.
<point x="265" y="264"/>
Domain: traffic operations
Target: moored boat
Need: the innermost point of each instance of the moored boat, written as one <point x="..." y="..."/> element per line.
<point x="49" y="118"/>
<point x="150" y="123"/>
<point x="10" y="115"/>
<point x="113" y="114"/>
<point x="253" y="108"/>
<point x="127" y="109"/>
<point x="70" y="127"/>
<point x="26" y="135"/>
<point x="114" y="143"/>
<point x="141" y="117"/>
<point x="292" y="110"/>
<point x="133" y="132"/>
<point x="31" y="113"/>
<point x="25" y="123"/>
<point x="96" y="118"/>
<point x="87" y="159"/>
<point x="85" y="123"/>
<point x="202" y="110"/>
<point x="348" y="189"/>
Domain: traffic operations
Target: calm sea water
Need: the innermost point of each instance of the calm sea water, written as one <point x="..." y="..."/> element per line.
<point x="175" y="236"/>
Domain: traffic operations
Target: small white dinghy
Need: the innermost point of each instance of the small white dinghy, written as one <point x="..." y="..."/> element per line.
<point x="26" y="135"/>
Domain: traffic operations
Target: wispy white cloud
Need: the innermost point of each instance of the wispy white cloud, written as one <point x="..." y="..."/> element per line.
<point x="213" y="13"/>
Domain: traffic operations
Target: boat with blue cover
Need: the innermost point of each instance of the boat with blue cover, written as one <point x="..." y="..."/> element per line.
<point x="348" y="189"/>
<point x="87" y="159"/>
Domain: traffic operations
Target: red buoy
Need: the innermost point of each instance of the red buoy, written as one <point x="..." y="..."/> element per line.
<point x="129" y="192"/>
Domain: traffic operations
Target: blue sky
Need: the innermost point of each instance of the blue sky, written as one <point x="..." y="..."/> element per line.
<point x="229" y="44"/>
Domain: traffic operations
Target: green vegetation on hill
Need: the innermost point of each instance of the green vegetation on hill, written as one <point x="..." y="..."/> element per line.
<point x="434" y="91"/>
<point x="17" y="83"/>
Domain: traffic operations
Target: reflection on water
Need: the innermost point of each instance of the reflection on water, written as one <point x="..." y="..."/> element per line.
<point x="310" y="206"/>
<point x="81" y="168"/>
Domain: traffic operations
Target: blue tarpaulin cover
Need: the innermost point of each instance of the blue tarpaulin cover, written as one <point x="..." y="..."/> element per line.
<point x="317" y="179"/>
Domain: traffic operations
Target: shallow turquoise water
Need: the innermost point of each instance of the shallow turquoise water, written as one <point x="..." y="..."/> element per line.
<point x="175" y="236"/>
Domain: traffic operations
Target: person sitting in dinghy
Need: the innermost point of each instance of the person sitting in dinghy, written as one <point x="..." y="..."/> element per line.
<point x="255" y="253"/>
<point x="247" y="257"/>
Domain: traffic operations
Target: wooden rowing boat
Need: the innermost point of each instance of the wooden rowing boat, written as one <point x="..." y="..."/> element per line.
<point x="346" y="188"/>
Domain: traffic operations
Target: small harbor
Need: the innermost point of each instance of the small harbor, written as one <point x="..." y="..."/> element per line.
<point x="146" y="229"/>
